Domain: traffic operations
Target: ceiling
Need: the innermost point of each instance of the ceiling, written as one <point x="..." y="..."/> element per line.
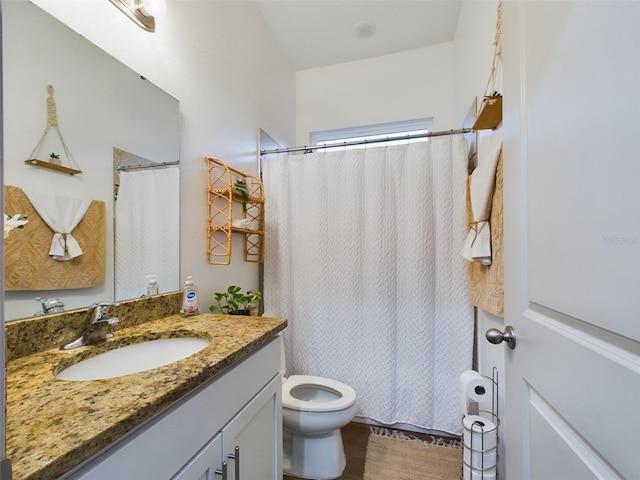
<point x="316" y="33"/>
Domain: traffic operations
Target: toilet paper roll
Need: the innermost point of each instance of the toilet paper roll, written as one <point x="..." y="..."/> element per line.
<point x="479" y="438"/>
<point x="479" y="433"/>
<point x="474" y="386"/>
<point x="473" y="474"/>
<point x="480" y="460"/>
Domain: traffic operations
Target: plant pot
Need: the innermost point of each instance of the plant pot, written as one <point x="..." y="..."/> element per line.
<point x="246" y="313"/>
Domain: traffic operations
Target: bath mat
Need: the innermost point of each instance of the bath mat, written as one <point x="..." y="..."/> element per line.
<point x="395" y="456"/>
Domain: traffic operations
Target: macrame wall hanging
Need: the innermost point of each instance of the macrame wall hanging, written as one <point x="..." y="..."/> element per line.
<point x="54" y="162"/>
<point x="490" y="115"/>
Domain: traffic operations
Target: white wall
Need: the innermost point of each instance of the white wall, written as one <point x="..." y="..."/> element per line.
<point x="473" y="53"/>
<point x="413" y="84"/>
<point x="231" y="78"/>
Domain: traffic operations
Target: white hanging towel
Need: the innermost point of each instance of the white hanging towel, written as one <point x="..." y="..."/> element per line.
<point x="477" y="246"/>
<point x="62" y="214"/>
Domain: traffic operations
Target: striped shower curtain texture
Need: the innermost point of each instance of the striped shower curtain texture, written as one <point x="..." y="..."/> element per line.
<point x="145" y="244"/>
<point x="362" y="257"/>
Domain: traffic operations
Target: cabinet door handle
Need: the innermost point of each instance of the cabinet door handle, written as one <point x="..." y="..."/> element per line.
<point x="236" y="456"/>
<point x="222" y="472"/>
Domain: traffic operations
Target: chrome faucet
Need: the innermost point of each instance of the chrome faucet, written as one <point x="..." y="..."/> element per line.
<point x="49" y="305"/>
<point x="96" y="329"/>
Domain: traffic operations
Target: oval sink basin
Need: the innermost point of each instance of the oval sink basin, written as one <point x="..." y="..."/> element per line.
<point x="134" y="358"/>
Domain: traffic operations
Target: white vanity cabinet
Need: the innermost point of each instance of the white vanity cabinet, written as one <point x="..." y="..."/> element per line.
<point x="193" y="438"/>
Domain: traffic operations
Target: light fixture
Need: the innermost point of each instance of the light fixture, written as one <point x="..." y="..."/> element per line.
<point x="142" y="12"/>
<point x="153" y="8"/>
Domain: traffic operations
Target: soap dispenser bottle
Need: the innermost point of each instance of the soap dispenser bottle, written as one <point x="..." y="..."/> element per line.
<point x="189" y="299"/>
<point x="152" y="285"/>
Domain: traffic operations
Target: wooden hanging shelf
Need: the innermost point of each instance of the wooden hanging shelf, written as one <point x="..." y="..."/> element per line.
<point x="52" y="166"/>
<point x="52" y="122"/>
<point x="490" y="115"/>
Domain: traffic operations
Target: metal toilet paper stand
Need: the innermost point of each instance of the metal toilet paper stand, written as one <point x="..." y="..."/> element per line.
<point x="475" y="448"/>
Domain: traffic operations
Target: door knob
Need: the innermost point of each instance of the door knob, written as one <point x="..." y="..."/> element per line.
<point x="495" y="336"/>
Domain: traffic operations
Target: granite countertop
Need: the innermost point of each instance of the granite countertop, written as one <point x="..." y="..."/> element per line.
<point x="54" y="425"/>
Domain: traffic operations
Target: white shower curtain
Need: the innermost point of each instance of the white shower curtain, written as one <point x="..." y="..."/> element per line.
<point x="362" y="259"/>
<point x="147" y="236"/>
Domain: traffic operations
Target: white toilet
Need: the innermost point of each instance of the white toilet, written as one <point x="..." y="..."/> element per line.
<point x="314" y="409"/>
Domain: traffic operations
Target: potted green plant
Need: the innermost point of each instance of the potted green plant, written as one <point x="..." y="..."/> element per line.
<point x="234" y="302"/>
<point x="54" y="158"/>
<point x="240" y="186"/>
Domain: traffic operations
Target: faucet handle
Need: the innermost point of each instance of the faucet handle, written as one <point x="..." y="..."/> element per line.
<point x="111" y="321"/>
<point x="103" y="304"/>
<point x="97" y="310"/>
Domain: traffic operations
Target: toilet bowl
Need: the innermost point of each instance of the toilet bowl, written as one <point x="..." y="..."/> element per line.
<point x="314" y="409"/>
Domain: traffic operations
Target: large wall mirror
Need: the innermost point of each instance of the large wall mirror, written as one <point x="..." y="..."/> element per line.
<point x="108" y="115"/>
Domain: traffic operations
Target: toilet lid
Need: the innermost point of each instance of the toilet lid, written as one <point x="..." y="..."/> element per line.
<point x="339" y="395"/>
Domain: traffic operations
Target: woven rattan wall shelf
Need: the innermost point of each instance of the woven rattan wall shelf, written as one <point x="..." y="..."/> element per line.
<point x="227" y="215"/>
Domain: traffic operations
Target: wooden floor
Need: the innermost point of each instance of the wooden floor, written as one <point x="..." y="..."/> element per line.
<point x="355" y="437"/>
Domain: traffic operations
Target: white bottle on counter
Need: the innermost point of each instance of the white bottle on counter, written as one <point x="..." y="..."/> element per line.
<point x="152" y="285"/>
<point x="189" y="299"/>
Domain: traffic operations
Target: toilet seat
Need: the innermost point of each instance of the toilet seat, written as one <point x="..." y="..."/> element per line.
<point x="347" y="394"/>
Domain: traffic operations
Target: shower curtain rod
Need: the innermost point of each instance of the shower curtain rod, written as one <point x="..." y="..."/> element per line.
<point x="124" y="168"/>
<point x="366" y="142"/>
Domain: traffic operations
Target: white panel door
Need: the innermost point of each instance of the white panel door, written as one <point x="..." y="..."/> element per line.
<point x="572" y="238"/>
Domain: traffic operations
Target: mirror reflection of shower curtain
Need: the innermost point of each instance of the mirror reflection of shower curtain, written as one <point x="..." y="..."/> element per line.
<point x="362" y="259"/>
<point x="147" y="231"/>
